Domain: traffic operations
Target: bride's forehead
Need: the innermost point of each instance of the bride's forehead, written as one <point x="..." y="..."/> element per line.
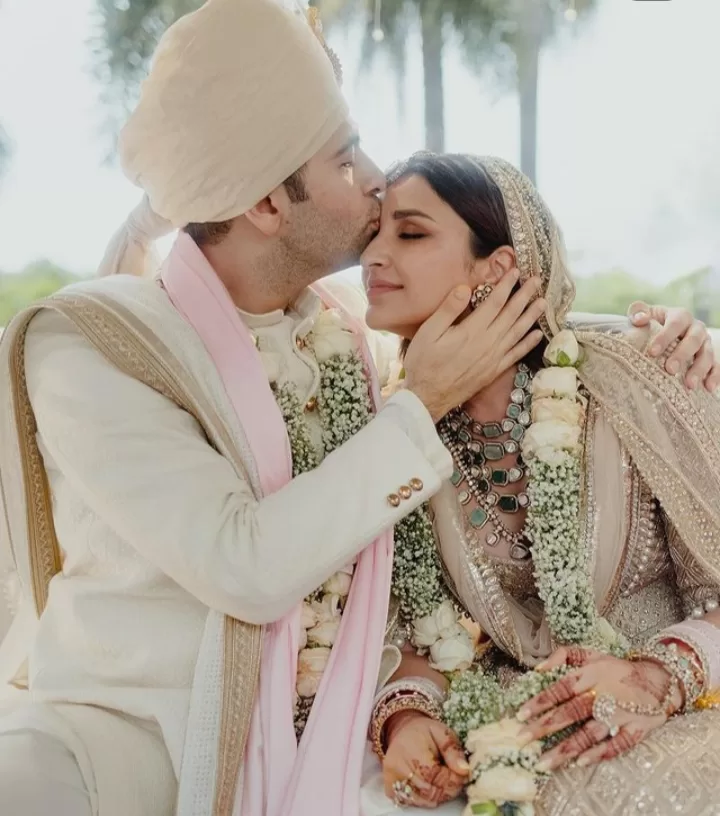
<point x="409" y="189"/>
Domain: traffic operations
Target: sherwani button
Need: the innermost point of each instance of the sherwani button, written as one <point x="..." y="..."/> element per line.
<point x="405" y="492"/>
<point x="311" y="404"/>
<point x="416" y="485"/>
<point x="300" y="342"/>
<point x="394" y="500"/>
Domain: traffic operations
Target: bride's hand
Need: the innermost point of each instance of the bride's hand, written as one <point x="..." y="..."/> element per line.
<point x="448" y="362"/>
<point x="570" y="702"/>
<point x="426" y="756"/>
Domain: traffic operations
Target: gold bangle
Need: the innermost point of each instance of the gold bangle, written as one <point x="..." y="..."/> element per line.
<point x="407" y="702"/>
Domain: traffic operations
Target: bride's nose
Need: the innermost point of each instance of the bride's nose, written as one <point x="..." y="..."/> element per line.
<point x="375" y="255"/>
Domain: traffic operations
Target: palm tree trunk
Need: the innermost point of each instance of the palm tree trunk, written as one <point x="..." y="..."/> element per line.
<point x="528" y="63"/>
<point x="431" y="16"/>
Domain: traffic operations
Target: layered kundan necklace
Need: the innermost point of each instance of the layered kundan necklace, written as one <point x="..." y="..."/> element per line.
<point x="476" y="447"/>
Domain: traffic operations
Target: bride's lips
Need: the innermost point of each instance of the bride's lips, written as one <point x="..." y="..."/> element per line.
<point x="378" y="288"/>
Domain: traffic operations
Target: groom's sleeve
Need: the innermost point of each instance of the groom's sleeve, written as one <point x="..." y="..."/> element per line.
<point x="145" y="468"/>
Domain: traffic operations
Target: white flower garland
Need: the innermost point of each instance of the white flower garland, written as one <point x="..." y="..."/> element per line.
<point x="553" y="451"/>
<point x="344" y="407"/>
<point x="562" y="562"/>
<point x="503" y="776"/>
<point x="504" y="779"/>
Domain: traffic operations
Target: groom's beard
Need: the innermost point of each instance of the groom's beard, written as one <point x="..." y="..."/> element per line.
<point x="321" y="246"/>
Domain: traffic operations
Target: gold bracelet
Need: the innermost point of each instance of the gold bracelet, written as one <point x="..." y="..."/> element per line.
<point x="407" y="702"/>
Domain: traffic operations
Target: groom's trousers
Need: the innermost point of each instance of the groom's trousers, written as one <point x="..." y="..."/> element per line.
<point x="39" y="776"/>
<point x="80" y="760"/>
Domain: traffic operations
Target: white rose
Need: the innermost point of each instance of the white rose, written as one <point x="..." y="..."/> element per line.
<point x="311" y="665"/>
<point x="563" y="410"/>
<point x="308" y="616"/>
<point x="308" y="684"/>
<point x="271" y="362"/>
<point x="313" y="661"/>
<point x="563" y="349"/>
<point x="331" y="336"/>
<point x="328" y="609"/>
<point x="503" y="784"/>
<point x="443" y="622"/>
<point x="549" y="455"/>
<point x="324" y="634"/>
<point x="558" y="436"/>
<point x="453" y="654"/>
<point x="497" y="739"/>
<point x="554" y="382"/>
<point x="339" y="584"/>
<point x="384" y="348"/>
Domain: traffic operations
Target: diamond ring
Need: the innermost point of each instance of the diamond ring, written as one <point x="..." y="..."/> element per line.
<point x="603" y="711"/>
<point x="403" y="791"/>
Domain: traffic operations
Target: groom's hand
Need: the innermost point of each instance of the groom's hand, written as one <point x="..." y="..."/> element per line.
<point x="447" y="362"/>
<point x="694" y="352"/>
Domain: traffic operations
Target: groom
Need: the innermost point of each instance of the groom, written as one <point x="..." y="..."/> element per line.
<point x="169" y="490"/>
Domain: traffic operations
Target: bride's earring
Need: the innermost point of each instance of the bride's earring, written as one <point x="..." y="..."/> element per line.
<point x="480" y="293"/>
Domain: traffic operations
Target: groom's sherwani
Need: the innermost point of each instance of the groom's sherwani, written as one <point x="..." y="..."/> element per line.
<point x="155" y="527"/>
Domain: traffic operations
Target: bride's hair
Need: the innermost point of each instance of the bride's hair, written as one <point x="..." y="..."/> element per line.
<point x="461" y="182"/>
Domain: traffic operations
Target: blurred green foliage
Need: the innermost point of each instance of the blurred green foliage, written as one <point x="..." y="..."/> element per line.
<point x="36" y="281"/>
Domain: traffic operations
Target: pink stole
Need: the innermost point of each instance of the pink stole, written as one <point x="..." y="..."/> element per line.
<point x="321" y="775"/>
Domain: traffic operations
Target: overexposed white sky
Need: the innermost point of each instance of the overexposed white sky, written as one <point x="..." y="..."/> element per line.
<point x="629" y="134"/>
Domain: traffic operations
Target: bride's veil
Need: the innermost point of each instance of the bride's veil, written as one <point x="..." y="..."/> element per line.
<point x="672" y="435"/>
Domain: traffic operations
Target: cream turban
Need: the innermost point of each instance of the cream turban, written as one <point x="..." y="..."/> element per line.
<point x="240" y="95"/>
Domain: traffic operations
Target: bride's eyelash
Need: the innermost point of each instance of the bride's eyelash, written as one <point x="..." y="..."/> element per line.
<point x="410" y="236"/>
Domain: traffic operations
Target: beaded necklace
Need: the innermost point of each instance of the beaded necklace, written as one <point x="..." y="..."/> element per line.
<point x="475" y="446"/>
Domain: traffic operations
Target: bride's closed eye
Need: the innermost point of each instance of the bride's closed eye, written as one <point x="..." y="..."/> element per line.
<point x="411" y="236"/>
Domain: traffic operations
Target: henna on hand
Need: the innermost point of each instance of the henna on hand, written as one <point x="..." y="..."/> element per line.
<point x="652" y="678"/>
<point x="554" y="695"/>
<point x="626" y="739"/>
<point x="582" y="740"/>
<point x="591" y="734"/>
<point x="578" y="657"/>
<point x="576" y="710"/>
<point x="443" y="784"/>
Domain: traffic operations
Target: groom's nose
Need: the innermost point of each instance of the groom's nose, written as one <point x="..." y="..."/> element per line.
<point x="376" y="184"/>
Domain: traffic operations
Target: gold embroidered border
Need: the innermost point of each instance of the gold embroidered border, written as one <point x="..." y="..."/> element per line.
<point x="632" y="520"/>
<point x="45" y="557"/>
<point x="691" y="418"/>
<point x="129" y="345"/>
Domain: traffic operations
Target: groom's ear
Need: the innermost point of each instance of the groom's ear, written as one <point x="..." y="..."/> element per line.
<point x="268" y="215"/>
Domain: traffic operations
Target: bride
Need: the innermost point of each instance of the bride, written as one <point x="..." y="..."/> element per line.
<point x="641" y="538"/>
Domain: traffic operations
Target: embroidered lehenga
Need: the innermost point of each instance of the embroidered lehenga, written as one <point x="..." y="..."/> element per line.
<point x="650" y="516"/>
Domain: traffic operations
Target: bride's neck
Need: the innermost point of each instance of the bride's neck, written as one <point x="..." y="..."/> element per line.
<point x="492" y="402"/>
